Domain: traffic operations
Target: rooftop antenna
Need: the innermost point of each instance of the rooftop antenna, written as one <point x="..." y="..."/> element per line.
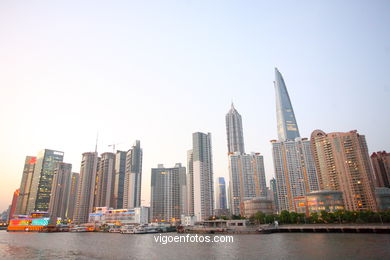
<point x="97" y="137"/>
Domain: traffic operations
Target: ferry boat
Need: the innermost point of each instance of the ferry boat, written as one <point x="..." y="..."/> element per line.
<point x="145" y="230"/>
<point x="32" y="223"/>
<point x="127" y="229"/>
<point x="79" y="229"/>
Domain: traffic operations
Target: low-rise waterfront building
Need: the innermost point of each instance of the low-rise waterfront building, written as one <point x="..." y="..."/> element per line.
<point x="251" y="207"/>
<point x="318" y="201"/>
<point x="383" y="198"/>
<point x="104" y="215"/>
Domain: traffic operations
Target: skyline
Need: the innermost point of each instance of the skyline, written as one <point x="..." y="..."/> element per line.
<point x="46" y="100"/>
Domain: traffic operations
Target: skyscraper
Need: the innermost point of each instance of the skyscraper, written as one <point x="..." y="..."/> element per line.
<point x="381" y="165"/>
<point x="133" y="177"/>
<point x="287" y="125"/>
<point x="343" y="164"/>
<point x="41" y="182"/>
<point x="202" y="166"/>
<point x="120" y="171"/>
<point x="168" y="193"/>
<point x="247" y="179"/>
<point x="60" y="192"/>
<point x="86" y="187"/>
<point x="220" y="191"/>
<point x="105" y="181"/>
<point x="25" y="185"/>
<point x="235" y="138"/>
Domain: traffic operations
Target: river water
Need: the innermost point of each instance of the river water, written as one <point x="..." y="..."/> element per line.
<point x="144" y="246"/>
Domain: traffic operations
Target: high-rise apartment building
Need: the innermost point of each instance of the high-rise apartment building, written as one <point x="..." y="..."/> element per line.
<point x="60" y="192"/>
<point x="133" y="177"/>
<point x="295" y="171"/>
<point x="202" y="175"/>
<point x="247" y="179"/>
<point x="220" y="191"/>
<point x="343" y="164"/>
<point x="168" y="193"/>
<point x="74" y="183"/>
<point x="120" y="171"/>
<point x="41" y="182"/>
<point x="287" y="124"/>
<point x="104" y="196"/>
<point x="381" y="164"/>
<point x="86" y="187"/>
<point x="25" y="185"/>
<point x="235" y="137"/>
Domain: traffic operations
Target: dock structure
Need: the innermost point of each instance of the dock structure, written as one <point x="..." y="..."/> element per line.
<point x="333" y="228"/>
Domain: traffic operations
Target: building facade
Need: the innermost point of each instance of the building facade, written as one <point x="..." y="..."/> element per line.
<point x="168" y="193"/>
<point x="25" y="185"/>
<point x="86" y="187"/>
<point x="247" y="179"/>
<point x="343" y="164"/>
<point x="42" y="179"/>
<point x="133" y="177"/>
<point x="381" y="164"/>
<point x="202" y="167"/>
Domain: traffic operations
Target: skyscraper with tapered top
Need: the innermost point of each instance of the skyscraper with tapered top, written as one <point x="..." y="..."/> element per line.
<point x="286" y="122"/>
<point x="235" y="137"/>
<point x="295" y="171"/>
<point x="247" y="175"/>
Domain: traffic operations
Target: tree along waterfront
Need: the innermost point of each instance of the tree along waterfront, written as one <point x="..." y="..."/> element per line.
<point x="323" y="217"/>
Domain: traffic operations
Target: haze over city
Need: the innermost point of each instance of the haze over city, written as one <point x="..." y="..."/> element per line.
<point x="158" y="72"/>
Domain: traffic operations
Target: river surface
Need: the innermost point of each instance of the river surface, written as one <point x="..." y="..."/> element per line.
<point x="118" y="246"/>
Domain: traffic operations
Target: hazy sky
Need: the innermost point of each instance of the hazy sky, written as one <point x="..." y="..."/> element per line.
<point x="158" y="71"/>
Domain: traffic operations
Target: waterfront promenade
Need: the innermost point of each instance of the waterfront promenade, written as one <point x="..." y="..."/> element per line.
<point x="294" y="228"/>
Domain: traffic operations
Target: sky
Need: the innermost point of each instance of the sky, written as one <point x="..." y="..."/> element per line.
<point x="157" y="71"/>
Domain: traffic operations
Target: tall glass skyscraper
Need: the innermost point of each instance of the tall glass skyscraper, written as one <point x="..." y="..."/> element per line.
<point x="287" y="124"/>
<point x="42" y="179"/>
<point x="221" y="202"/>
<point x="235" y="138"/>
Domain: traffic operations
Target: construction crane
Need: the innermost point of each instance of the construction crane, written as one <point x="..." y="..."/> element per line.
<point x="113" y="146"/>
